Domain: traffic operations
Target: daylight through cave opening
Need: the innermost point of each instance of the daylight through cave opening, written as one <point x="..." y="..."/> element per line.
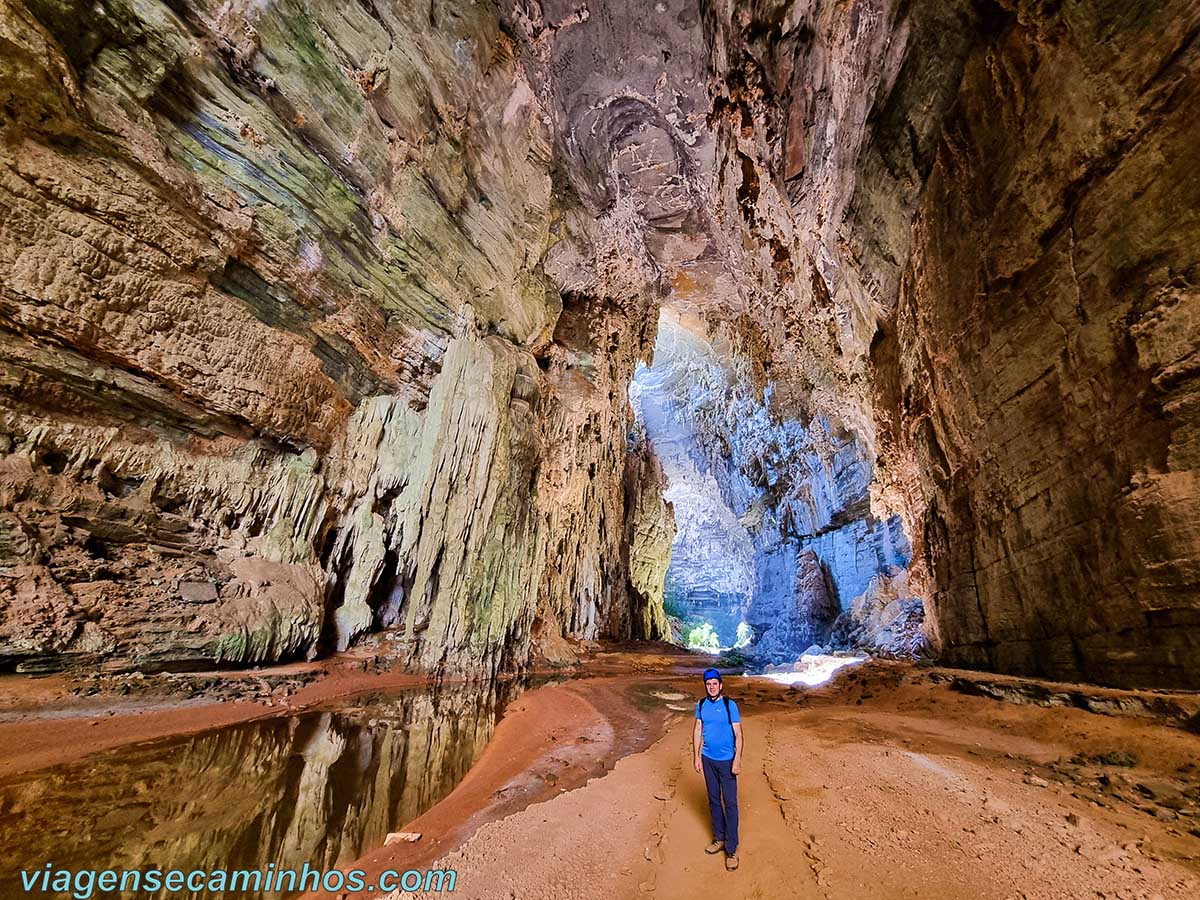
<point x="776" y="549"/>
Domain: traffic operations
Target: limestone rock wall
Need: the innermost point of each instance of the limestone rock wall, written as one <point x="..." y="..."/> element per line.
<point x="317" y="319"/>
<point x="1047" y="338"/>
<point x="969" y="231"/>
<point x="650" y="523"/>
<point x="283" y="350"/>
<point x="445" y="542"/>
<point x="798" y="615"/>
<point x="776" y="528"/>
<point x="712" y="563"/>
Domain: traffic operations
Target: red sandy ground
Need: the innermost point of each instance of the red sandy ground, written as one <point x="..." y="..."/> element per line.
<point x="881" y="785"/>
<point x="918" y="792"/>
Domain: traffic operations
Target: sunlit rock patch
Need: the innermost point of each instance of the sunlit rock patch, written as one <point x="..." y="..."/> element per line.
<point x="810" y="669"/>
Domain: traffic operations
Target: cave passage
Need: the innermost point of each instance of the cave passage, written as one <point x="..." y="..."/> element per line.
<point x="712" y="576"/>
<point x="393" y="344"/>
<point x="776" y="552"/>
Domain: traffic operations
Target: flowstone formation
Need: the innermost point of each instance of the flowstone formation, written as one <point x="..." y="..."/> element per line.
<point x="301" y="338"/>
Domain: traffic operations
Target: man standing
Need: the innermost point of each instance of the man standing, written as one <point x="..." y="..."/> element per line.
<point x="717" y="742"/>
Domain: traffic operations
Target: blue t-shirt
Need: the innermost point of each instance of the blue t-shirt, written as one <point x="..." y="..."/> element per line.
<point x="718" y="732"/>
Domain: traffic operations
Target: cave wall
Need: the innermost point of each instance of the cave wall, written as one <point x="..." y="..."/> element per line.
<point x="712" y="561"/>
<point x="1047" y="339"/>
<point x="776" y="526"/>
<point x="650" y="533"/>
<point x="317" y="319"/>
<point x="967" y="229"/>
<point x="711" y="574"/>
<point x="284" y="350"/>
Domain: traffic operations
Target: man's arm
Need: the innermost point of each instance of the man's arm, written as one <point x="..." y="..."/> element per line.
<point x="697" y="740"/>
<point x="737" y="748"/>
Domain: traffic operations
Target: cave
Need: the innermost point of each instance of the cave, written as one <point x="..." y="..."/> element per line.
<point x="392" y="389"/>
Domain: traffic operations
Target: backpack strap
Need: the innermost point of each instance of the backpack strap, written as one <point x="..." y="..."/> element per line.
<point x="728" y="714"/>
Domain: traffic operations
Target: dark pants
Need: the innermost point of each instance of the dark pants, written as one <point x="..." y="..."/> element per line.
<point x="722" y="785"/>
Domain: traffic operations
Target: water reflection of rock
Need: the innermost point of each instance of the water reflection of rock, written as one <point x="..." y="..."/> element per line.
<point x="318" y="788"/>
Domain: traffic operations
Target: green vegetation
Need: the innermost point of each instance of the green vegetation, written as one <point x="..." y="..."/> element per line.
<point x="702" y="637"/>
<point x="733" y="659"/>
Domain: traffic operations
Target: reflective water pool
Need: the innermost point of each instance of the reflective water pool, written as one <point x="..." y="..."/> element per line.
<point x="319" y="787"/>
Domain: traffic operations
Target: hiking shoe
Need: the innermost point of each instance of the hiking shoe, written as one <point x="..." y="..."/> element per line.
<point x="715" y="847"/>
<point x="731" y="862"/>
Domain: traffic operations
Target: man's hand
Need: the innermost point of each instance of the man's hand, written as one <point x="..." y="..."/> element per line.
<point x="697" y="761"/>
<point x="736" y="768"/>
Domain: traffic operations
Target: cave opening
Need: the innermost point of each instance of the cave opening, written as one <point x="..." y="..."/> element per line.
<point x="710" y="580"/>
<point x="776" y="551"/>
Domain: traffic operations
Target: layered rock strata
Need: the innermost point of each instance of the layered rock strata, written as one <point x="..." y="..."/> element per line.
<point x="971" y="230"/>
<point x="1047" y="335"/>
<point x="315" y="320"/>
<point x="284" y="347"/>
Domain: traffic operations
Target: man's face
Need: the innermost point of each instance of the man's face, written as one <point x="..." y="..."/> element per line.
<point x="713" y="686"/>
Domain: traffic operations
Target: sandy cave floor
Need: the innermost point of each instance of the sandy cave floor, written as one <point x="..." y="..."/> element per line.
<point x="885" y="784"/>
<point x="888" y="783"/>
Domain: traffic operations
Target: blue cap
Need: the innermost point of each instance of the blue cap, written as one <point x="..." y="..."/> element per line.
<point x="712" y="673"/>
